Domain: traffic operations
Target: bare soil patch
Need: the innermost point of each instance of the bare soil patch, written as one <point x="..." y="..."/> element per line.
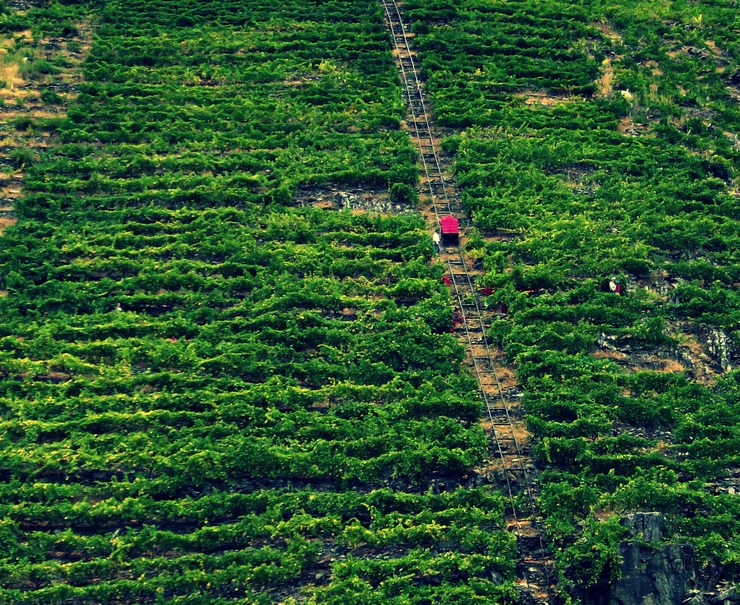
<point x="5" y="223"/>
<point x="711" y="45"/>
<point x="653" y="66"/>
<point x="625" y="125"/>
<point x="545" y="98"/>
<point x="608" y="32"/>
<point x="629" y="128"/>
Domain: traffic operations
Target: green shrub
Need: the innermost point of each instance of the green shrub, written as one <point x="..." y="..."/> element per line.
<point x="51" y="97"/>
<point x="401" y="193"/>
<point x="23" y="122"/>
<point x="22" y="158"/>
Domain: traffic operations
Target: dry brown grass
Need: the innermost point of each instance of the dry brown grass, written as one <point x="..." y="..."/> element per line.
<point x="9" y="115"/>
<point x="545" y="99"/>
<point x="11" y="191"/>
<point x="11" y="79"/>
<point x="607" y="79"/>
<point x="22" y="36"/>
<point x="603" y="514"/>
<point x="5" y="223"/>
<point x="613" y="355"/>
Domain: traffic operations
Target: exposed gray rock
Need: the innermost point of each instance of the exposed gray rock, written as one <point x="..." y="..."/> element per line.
<point x="694" y="597"/>
<point x="646" y="527"/>
<point x="719" y="347"/>
<point x="652" y="573"/>
<point x="369" y="203"/>
<point x="729" y="596"/>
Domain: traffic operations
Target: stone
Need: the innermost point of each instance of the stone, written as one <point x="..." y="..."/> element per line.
<point x="652" y="572"/>
<point x="727" y="597"/>
<point x="719" y="347"/>
<point x="694" y="597"/>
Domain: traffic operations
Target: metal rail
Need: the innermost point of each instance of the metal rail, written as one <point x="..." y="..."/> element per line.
<point x="463" y="290"/>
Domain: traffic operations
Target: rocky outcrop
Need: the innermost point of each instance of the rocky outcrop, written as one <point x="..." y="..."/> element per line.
<point x="727" y="596"/>
<point x="652" y="572"/>
<point x="719" y="347"/>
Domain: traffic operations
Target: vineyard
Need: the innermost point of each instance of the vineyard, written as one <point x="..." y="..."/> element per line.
<point x="599" y="163"/>
<point x="220" y="387"/>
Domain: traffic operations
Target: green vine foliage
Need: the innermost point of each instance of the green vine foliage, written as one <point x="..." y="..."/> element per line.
<point x="599" y="151"/>
<point x="209" y="393"/>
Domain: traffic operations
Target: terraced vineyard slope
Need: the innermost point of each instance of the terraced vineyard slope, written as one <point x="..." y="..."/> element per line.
<point x="41" y="68"/>
<point x="215" y="391"/>
<point x="231" y="368"/>
<point x="508" y="463"/>
<point x="596" y="151"/>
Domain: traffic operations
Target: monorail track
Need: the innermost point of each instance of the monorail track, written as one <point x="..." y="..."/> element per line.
<point x="509" y="453"/>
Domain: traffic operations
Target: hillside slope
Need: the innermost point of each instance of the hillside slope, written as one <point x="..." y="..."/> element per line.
<point x="219" y="388"/>
<point x="210" y="395"/>
<point x="597" y="152"/>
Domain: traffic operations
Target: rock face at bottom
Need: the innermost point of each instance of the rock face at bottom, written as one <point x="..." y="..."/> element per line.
<point x="652" y="573"/>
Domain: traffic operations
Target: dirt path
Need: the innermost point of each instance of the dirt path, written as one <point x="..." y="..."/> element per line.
<point x="509" y="463"/>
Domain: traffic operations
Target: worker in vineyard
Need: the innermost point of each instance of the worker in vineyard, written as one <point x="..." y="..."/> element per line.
<point x="436" y="240"/>
<point x="615" y="286"/>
